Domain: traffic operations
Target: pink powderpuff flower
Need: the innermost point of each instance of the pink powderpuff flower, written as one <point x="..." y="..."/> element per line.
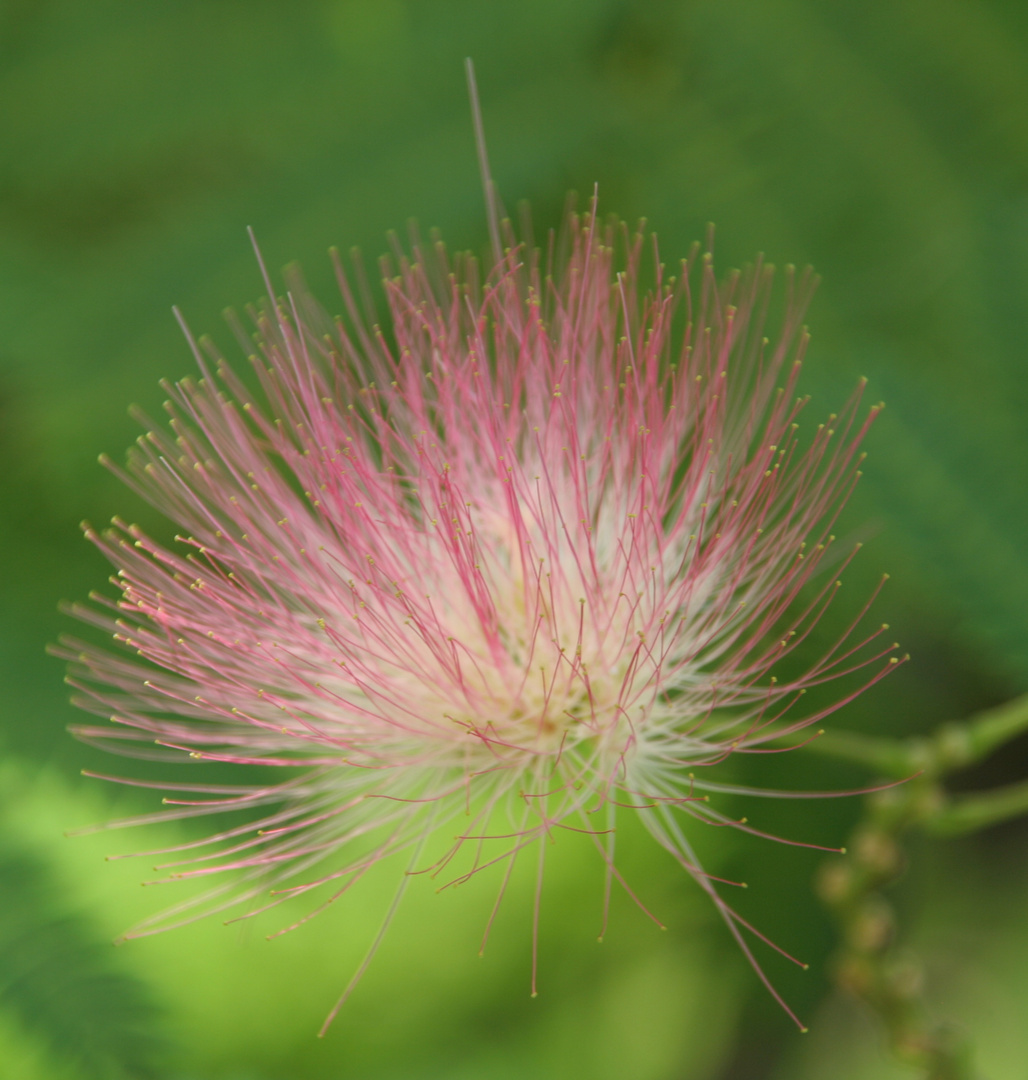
<point x="528" y="556"/>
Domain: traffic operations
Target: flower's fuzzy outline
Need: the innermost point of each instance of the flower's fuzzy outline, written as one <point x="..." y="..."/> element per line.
<point x="530" y="554"/>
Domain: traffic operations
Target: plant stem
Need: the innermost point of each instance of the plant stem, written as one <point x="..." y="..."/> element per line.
<point x="971" y="813"/>
<point x="953" y="745"/>
<point x="869" y="963"/>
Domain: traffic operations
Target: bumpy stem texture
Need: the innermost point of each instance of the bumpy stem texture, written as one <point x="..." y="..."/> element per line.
<point x="870" y="963"/>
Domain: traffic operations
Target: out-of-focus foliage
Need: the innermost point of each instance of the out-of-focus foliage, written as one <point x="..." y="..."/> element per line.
<point x="886" y="142"/>
<point x="59" y="980"/>
<point x="240" y="1006"/>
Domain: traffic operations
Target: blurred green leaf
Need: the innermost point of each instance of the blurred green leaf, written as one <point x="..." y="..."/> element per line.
<point x="60" y="979"/>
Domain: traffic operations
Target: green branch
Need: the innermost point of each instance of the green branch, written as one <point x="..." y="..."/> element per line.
<point x="889" y="757"/>
<point x="970" y="813"/>
<point x="988" y="731"/>
<point x="869" y="964"/>
<point x="954" y="745"/>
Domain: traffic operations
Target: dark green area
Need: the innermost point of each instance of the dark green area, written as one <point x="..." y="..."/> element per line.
<point x="59" y="978"/>
<point x="885" y="142"/>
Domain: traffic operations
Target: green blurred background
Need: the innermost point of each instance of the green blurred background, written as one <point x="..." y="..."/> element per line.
<point x="883" y="141"/>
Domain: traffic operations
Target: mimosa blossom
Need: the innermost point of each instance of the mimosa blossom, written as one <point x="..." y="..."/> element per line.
<point x="527" y="558"/>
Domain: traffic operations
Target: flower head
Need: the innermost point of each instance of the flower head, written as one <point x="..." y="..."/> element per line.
<point x="530" y="556"/>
